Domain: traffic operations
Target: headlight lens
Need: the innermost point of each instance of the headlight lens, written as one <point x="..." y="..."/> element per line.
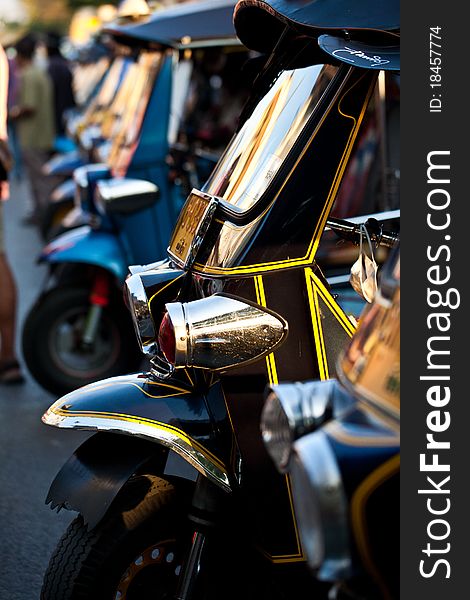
<point x="166" y="339"/>
<point x="277" y="431"/>
<point x="295" y="409"/>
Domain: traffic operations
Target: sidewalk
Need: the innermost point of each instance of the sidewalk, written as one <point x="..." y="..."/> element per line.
<point x="30" y="453"/>
<point x="23" y="245"/>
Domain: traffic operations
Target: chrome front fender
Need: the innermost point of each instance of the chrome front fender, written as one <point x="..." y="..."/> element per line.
<point x="169" y="413"/>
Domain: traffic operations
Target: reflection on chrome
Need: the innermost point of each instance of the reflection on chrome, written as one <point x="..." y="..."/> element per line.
<point x="293" y="410"/>
<point x="177" y="441"/>
<point x="141" y="316"/>
<point x="321" y="507"/>
<point x="370" y="365"/>
<point x="255" y="155"/>
<point x="221" y="332"/>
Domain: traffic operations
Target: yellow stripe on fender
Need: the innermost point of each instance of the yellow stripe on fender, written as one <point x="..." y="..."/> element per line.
<point x="177" y="440"/>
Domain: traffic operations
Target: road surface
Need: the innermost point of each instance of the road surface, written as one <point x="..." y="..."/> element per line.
<point x="30" y="453"/>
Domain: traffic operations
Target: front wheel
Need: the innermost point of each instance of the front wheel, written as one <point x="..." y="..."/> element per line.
<point x="53" y="346"/>
<point x="135" y="553"/>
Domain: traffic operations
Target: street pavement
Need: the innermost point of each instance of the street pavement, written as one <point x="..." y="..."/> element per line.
<point x="31" y="453"/>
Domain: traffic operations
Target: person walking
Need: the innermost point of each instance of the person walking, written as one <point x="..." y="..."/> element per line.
<point x="13" y="88"/>
<point x="34" y="118"/>
<point x="10" y="371"/>
<point x="62" y="81"/>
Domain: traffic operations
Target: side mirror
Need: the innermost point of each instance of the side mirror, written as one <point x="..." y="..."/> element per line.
<point x="124" y="196"/>
<point x="85" y="179"/>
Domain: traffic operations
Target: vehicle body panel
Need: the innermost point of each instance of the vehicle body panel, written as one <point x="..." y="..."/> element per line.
<point x="170" y="413"/>
<point x="86" y="246"/>
<point x="64" y="164"/>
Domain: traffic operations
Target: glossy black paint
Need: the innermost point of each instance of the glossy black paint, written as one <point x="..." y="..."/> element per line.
<point x="92" y="477"/>
<point x="161" y="286"/>
<point x="366" y="56"/>
<point x="274" y="266"/>
<point x="178" y="403"/>
<point x="261" y="23"/>
<point x="265" y="493"/>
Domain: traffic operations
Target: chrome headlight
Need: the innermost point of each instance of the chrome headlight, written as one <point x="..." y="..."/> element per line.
<point x="141" y="315"/>
<point x="218" y="332"/>
<point x="292" y="410"/>
<point x="321" y="507"/>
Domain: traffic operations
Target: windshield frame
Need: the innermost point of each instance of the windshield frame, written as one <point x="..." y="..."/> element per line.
<point x="236" y="215"/>
<point x="242" y="244"/>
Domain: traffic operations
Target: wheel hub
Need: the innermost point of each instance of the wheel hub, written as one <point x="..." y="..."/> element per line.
<point x="152" y="574"/>
<point x="70" y="350"/>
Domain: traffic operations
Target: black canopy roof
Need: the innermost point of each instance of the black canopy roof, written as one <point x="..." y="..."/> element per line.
<point x="259" y="23"/>
<point x="195" y="23"/>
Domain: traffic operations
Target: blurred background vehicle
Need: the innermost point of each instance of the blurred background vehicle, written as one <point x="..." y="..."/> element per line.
<point x="172" y="113"/>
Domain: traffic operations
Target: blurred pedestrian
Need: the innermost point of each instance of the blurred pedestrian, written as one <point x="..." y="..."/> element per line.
<point x="62" y="81"/>
<point x="10" y="371"/>
<point x="13" y="90"/>
<point x="34" y="118"/>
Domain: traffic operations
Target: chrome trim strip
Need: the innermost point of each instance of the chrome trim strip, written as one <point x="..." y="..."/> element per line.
<point x="380" y="216"/>
<point x="155" y="432"/>
<point x="338" y="279"/>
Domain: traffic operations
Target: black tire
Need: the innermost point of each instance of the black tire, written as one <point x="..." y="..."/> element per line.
<point x="51" y="341"/>
<point x="135" y="551"/>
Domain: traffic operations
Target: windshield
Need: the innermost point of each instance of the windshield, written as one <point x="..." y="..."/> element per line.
<point x="258" y="150"/>
<point x="95" y="112"/>
<point x="86" y="78"/>
<point x="125" y="116"/>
